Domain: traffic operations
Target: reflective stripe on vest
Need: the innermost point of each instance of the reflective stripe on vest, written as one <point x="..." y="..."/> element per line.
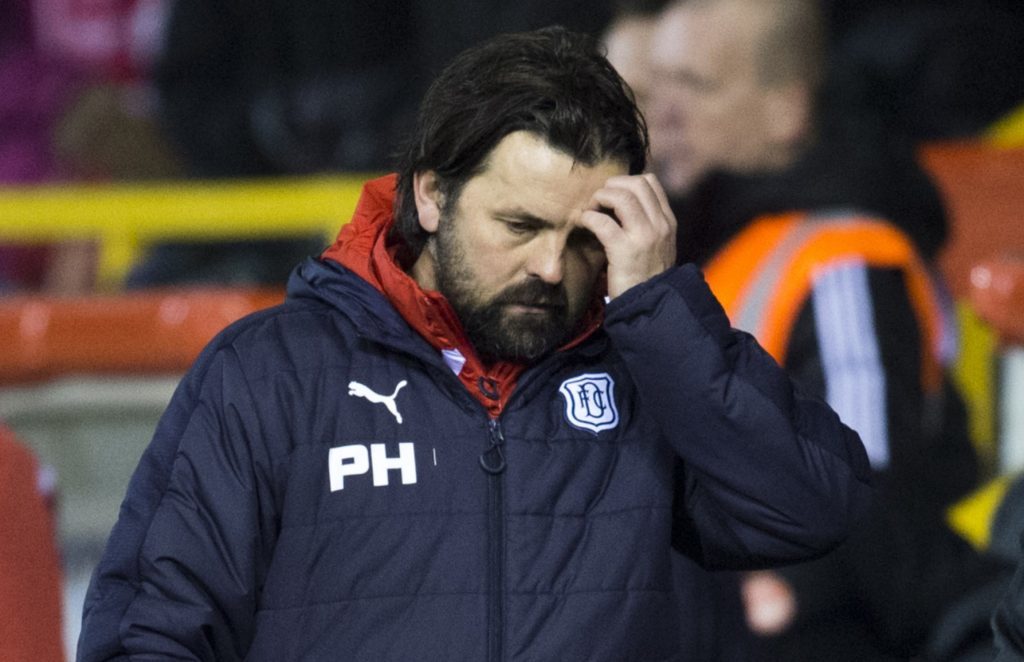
<point x="765" y="274"/>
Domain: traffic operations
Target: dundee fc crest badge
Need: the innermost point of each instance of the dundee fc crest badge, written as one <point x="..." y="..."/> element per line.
<point x="590" y="402"/>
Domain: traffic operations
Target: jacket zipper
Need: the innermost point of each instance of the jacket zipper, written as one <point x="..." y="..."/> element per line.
<point x="492" y="461"/>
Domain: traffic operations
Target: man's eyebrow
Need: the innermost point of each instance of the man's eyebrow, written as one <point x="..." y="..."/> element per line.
<point x="523" y="216"/>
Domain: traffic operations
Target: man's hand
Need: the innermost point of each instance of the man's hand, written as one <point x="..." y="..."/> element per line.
<point x="769" y="602"/>
<point x="631" y="217"/>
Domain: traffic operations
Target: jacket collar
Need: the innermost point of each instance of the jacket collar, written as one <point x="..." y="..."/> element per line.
<point x="363" y="246"/>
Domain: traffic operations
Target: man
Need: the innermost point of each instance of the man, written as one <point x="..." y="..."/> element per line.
<point x="817" y="235"/>
<point x="734" y="87"/>
<point x="445" y="445"/>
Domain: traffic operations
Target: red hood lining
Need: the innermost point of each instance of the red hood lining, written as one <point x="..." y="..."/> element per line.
<point x="363" y="247"/>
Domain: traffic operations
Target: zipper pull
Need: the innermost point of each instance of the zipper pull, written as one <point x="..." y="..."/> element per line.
<point x="492" y="460"/>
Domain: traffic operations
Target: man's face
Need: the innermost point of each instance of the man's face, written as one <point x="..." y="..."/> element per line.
<point x="508" y="254"/>
<point x="707" y="108"/>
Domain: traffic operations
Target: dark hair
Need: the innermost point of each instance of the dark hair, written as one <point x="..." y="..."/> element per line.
<point x="640" y="7"/>
<point x="551" y="82"/>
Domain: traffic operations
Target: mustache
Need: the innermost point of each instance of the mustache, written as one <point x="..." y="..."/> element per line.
<point x="534" y="292"/>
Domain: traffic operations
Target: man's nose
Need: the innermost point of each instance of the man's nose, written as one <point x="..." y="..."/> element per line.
<point x="547" y="260"/>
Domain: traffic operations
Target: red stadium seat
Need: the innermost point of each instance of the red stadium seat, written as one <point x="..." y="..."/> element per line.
<point x="149" y="332"/>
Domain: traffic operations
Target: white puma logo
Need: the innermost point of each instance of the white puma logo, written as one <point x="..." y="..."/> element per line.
<point x="361" y="391"/>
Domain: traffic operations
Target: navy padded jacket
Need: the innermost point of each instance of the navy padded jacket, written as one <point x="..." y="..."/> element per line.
<point x="275" y="515"/>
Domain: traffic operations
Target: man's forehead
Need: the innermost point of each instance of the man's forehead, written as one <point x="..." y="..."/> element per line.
<point x="707" y="39"/>
<point x="526" y="176"/>
<point x="525" y="154"/>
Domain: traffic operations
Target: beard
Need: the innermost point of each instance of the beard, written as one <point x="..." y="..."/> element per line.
<point x="496" y="332"/>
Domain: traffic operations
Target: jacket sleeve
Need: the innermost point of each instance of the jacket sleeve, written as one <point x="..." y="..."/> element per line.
<point x="767" y="475"/>
<point x="180" y="576"/>
<point x="1008" y="620"/>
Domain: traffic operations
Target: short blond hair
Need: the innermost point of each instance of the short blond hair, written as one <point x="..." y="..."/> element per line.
<point x="792" y="47"/>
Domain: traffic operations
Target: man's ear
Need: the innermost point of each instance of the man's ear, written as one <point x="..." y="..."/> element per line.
<point x="428" y="200"/>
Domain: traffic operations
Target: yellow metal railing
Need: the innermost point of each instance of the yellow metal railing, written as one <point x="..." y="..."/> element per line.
<point x="124" y="218"/>
<point x="1009" y="131"/>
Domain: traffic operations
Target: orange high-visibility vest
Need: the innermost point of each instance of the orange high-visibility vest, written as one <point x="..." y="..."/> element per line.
<point x="764" y="275"/>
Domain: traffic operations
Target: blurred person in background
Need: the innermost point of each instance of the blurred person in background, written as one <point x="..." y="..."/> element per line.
<point x="818" y="234"/>
<point x="30" y="573"/>
<point x="109" y="132"/>
<point x="712" y="626"/>
<point x="75" y="107"/>
<point x="627" y="39"/>
<point x="37" y="88"/>
<point x="930" y="71"/>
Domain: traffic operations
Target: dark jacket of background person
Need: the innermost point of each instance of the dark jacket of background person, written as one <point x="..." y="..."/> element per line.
<point x="1009" y="619"/>
<point x="1008" y="542"/>
<point x="965" y="631"/>
<point x="30" y="575"/>
<point x="232" y="544"/>
<point x="877" y="596"/>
